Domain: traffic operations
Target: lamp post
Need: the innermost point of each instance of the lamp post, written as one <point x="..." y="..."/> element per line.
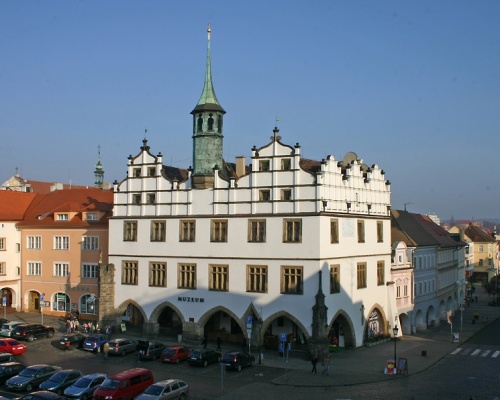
<point x="461" y="306"/>
<point x="395" y="332"/>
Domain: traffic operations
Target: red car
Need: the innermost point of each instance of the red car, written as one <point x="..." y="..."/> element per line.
<point x="174" y="354"/>
<point x="12" y="346"/>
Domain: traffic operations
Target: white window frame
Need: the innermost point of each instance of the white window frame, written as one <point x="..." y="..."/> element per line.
<point x="90" y="243"/>
<point x="61" y="242"/>
<point x="34" y="242"/>
<point x="3" y="243"/>
<point x="61" y="269"/>
<point x="34" y="268"/>
<point x="90" y="270"/>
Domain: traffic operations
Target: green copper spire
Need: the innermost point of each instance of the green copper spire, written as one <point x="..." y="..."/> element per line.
<point x="208" y="99"/>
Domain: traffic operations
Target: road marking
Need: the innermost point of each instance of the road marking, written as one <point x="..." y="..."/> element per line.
<point x="486" y="353"/>
<point x="495" y="354"/>
<point x="476" y="352"/>
<point x="457" y="350"/>
<point x="466" y="351"/>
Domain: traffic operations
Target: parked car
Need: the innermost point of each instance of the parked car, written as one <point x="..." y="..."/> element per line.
<point x="3" y="321"/>
<point x="6" y="357"/>
<point x="174" y="354"/>
<point x="12" y="346"/>
<point x="72" y="341"/>
<point x="9" y="369"/>
<point x="165" y="390"/>
<point x="149" y="350"/>
<point x="237" y="360"/>
<point x="203" y="357"/>
<point x="120" y="347"/>
<point x="95" y="342"/>
<point x="8" y="327"/>
<point x="61" y="380"/>
<point x="124" y="385"/>
<point x="40" y="395"/>
<point x="30" y="332"/>
<point x="84" y="387"/>
<point x="31" y="377"/>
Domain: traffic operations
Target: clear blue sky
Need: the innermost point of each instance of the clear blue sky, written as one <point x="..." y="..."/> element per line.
<point x="413" y="86"/>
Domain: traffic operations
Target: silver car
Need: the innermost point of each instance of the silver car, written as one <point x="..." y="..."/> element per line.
<point x="120" y="347"/>
<point x="84" y="387"/>
<point x="165" y="390"/>
<point x="8" y="327"/>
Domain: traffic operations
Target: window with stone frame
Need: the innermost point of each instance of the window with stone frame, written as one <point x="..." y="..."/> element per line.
<point x="186" y="276"/>
<point x="187" y="231"/>
<point x="361" y="275"/>
<point x="151" y="171"/>
<point x="218" y="232"/>
<point x="158" y="274"/>
<point x="137" y="172"/>
<point x="361" y="231"/>
<point x="291" y="280"/>
<point x="286" y="164"/>
<point x="130" y="273"/>
<point x="151" y="198"/>
<point x="3" y="244"/>
<point x="334" y="230"/>
<point x="335" y="278"/>
<point x="257" y="230"/>
<point x="136" y="199"/>
<point x="264" y="165"/>
<point x="380" y="273"/>
<point x="286" y="194"/>
<point x="264" y="195"/>
<point x="380" y="231"/>
<point x="130" y="231"/>
<point x="292" y="230"/>
<point x="158" y="231"/>
<point x="257" y="278"/>
<point x="218" y="277"/>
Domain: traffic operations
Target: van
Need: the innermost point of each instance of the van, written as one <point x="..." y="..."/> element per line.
<point x="124" y="385"/>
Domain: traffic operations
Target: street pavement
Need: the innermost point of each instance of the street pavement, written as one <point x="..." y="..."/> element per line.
<point x="361" y="365"/>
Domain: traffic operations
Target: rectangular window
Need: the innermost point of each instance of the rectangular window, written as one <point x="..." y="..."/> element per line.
<point x="90" y="243"/>
<point x="219" y="277"/>
<point x="257" y="230"/>
<point x="335" y="278"/>
<point x="91" y="216"/>
<point x="264" y="165"/>
<point x="481" y="248"/>
<point x="257" y="278"/>
<point x="90" y="271"/>
<point x="286" y="194"/>
<point x="61" y="242"/>
<point x="292" y="230"/>
<point x="130" y="231"/>
<point x="219" y="230"/>
<point x="187" y="231"/>
<point x="130" y="273"/>
<point x="62" y="217"/>
<point x="34" y="268"/>
<point x="380" y="273"/>
<point x="3" y="245"/>
<point x="136" y="199"/>
<point x="405" y="290"/>
<point x="3" y="268"/>
<point x="158" y="229"/>
<point x="286" y="164"/>
<point x="398" y="291"/>
<point x="380" y="231"/>
<point x="334" y="231"/>
<point x="361" y="275"/>
<point x="264" y="195"/>
<point x="61" y="269"/>
<point x="151" y="171"/>
<point x="137" y="172"/>
<point x="150" y="198"/>
<point x="481" y="262"/>
<point x="361" y="231"/>
<point x="186" y="276"/>
<point x="291" y="280"/>
<point x="34" y="242"/>
<point x="158" y="274"/>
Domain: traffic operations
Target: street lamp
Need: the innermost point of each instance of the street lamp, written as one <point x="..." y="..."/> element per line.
<point x="461" y="306"/>
<point x="395" y="331"/>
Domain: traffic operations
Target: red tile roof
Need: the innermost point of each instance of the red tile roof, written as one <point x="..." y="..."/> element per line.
<point x="13" y="205"/>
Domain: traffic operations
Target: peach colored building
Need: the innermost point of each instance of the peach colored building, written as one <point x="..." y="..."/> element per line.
<point x="64" y="238"/>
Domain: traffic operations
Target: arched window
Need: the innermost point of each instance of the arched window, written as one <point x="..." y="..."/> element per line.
<point x="200" y="124"/>
<point x="89" y="304"/>
<point x="61" y="302"/>
<point x="210" y="123"/>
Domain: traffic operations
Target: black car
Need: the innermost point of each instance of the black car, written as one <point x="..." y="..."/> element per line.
<point x="237" y="360"/>
<point x="203" y="357"/>
<point x="61" y="380"/>
<point x="41" y="395"/>
<point x="9" y="369"/>
<point x="6" y="357"/>
<point x="31" y="377"/>
<point x="149" y="350"/>
<point x="72" y="341"/>
<point x="30" y="332"/>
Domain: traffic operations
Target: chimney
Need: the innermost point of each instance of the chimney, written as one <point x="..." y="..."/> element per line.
<point x="240" y="166"/>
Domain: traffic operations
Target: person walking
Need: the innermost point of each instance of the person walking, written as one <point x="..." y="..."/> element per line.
<point x="314" y="361"/>
<point x="219" y="342"/>
<point x="105" y="350"/>
<point x="326" y="364"/>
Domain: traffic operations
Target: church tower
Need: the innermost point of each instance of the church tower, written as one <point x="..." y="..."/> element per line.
<point x="208" y="118"/>
<point x="99" y="170"/>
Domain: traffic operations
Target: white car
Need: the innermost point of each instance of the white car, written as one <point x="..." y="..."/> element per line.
<point x="165" y="390"/>
<point x="8" y="327"/>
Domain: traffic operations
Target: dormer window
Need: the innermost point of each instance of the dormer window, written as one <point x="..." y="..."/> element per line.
<point x="91" y="216"/>
<point x="62" y="217"/>
<point x="264" y="165"/>
<point x="286" y="164"/>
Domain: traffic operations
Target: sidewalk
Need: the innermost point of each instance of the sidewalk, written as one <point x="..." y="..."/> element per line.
<point x="350" y="367"/>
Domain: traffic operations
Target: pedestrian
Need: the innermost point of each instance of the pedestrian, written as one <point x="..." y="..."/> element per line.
<point x="105" y="350"/>
<point x="77" y="324"/>
<point x="68" y="326"/>
<point x="137" y="354"/>
<point x="326" y="364"/>
<point x="204" y="342"/>
<point x="85" y="328"/>
<point x="314" y="361"/>
<point x="219" y="342"/>
<point x="108" y="331"/>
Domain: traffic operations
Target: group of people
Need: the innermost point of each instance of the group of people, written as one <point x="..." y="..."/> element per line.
<point x="325" y="363"/>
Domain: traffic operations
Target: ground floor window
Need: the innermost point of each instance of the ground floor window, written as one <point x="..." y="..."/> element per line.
<point x="89" y="304"/>
<point x="61" y="302"/>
